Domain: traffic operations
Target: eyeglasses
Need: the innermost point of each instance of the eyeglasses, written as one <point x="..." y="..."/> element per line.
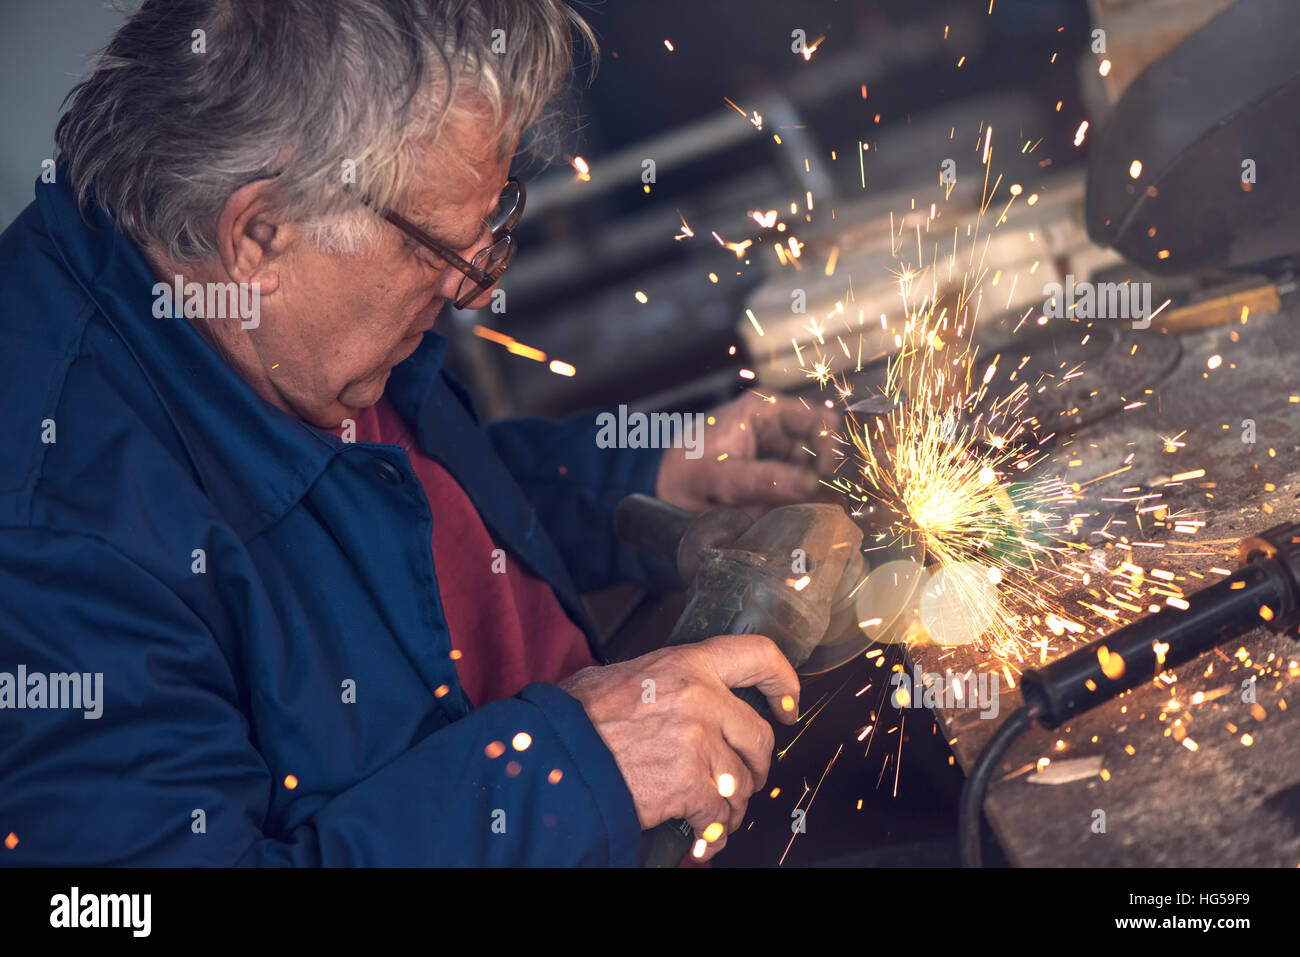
<point x="485" y="269"/>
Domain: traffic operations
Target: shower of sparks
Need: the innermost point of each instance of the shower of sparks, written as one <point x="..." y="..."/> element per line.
<point x="947" y="464"/>
<point x="958" y="472"/>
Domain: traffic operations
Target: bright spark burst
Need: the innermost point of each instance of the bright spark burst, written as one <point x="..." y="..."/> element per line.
<point x="821" y="371"/>
<point x="956" y="474"/>
<point x="954" y="489"/>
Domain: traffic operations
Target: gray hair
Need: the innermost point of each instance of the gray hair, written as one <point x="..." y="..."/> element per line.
<point x="160" y="134"/>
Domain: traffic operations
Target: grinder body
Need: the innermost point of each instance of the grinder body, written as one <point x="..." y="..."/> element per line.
<point x="786" y="576"/>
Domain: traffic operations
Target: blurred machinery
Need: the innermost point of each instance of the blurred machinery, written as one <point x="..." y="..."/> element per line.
<point x="590" y="244"/>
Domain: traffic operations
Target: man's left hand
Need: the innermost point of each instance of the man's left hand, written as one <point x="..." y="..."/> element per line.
<point x="757" y="453"/>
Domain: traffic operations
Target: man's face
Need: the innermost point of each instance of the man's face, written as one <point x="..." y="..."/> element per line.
<point x="334" y="326"/>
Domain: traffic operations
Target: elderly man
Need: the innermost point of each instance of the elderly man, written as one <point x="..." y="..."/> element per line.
<point x="270" y="592"/>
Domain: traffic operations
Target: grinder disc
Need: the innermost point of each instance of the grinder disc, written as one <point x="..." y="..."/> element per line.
<point x="836" y="650"/>
<point x="845" y="639"/>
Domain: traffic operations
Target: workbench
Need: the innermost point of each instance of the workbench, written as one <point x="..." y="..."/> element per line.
<point x="1186" y="772"/>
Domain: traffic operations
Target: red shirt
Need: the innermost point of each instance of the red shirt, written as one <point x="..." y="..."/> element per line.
<point x="507" y="627"/>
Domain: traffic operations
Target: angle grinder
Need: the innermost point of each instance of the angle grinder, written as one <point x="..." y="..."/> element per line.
<point x="790" y="576"/>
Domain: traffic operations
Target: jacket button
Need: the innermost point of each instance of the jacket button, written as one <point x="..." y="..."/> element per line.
<point x="387" y="471"/>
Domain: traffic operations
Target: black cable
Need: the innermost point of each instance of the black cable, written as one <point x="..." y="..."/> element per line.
<point x="972" y="792"/>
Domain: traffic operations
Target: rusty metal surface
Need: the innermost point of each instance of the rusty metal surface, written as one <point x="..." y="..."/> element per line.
<point x="1224" y="803"/>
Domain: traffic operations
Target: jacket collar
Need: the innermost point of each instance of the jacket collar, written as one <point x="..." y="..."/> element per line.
<point x="253" y="460"/>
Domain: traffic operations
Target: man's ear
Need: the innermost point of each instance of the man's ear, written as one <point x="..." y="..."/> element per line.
<point x="251" y="237"/>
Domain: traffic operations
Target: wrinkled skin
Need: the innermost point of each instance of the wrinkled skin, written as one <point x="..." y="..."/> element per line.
<point x="333" y="326"/>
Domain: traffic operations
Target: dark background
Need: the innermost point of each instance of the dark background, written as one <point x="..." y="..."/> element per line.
<point x="582" y="259"/>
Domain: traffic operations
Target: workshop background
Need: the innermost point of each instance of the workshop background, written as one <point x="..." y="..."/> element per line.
<point x="621" y="295"/>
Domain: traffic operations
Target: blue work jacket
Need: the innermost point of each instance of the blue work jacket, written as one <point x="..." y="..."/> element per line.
<point x="261" y="601"/>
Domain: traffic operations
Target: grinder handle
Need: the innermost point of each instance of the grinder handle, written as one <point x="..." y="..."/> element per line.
<point x="652" y="526"/>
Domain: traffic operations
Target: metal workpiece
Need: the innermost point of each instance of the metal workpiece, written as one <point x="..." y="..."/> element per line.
<point x="1261" y="592"/>
<point x="1280" y="545"/>
<point x="1196" y="181"/>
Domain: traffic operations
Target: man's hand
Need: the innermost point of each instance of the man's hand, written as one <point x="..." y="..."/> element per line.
<point x="676" y="730"/>
<point x="757" y="453"/>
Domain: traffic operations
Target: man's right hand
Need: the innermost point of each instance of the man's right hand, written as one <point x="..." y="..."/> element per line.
<point x="676" y="730"/>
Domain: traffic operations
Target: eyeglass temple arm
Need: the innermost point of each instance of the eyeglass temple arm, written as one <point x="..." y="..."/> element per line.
<point x="404" y="224"/>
